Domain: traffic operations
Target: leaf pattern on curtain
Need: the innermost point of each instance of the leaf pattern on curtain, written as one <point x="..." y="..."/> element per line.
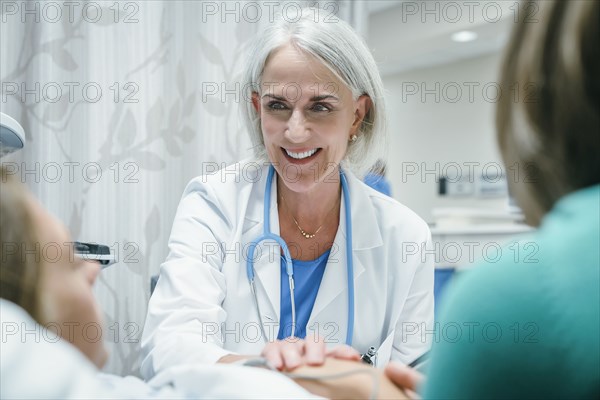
<point x="147" y="150"/>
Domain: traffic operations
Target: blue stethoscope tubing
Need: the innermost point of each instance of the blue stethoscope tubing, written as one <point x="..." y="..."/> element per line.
<point x="268" y="235"/>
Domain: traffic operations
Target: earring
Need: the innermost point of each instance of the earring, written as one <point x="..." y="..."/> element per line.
<point x="353" y="138"/>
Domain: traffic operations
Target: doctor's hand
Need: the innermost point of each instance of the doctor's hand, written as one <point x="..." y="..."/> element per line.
<point x="405" y="378"/>
<point x="291" y="353"/>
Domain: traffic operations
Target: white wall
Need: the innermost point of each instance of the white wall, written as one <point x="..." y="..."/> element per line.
<point x="438" y="133"/>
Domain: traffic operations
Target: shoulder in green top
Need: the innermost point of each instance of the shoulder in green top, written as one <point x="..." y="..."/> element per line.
<point x="528" y="325"/>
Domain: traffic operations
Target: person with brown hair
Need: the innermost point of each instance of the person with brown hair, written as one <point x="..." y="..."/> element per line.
<point x="528" y="326"/>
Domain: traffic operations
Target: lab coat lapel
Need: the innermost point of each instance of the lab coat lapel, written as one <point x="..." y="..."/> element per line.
<point x="267" y="265"/>
<point x="366" y="235"/>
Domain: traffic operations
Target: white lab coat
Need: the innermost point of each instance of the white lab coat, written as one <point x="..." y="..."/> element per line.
<point x="36" y="364"/>
<point x="202" y="307"/>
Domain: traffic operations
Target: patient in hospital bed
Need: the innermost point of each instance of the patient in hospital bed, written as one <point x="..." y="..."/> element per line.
<point x="51" y="329"/>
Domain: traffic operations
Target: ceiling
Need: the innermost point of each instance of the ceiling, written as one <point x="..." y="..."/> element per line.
<point x="406" y="35"/>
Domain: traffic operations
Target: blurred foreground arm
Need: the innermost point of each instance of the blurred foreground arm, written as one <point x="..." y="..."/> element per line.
<point x="342" y="379"/>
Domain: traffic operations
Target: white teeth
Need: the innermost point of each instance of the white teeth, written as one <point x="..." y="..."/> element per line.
<point x="300" y="156"/>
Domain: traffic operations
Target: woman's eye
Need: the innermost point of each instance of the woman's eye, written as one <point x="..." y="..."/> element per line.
<point x="320" y="108"/>
<point x="276" y="105"/>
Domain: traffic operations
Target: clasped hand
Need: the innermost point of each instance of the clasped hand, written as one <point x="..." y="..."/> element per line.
<point x="290" y="353"/>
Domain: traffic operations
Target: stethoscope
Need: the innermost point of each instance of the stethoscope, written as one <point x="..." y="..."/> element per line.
<point x="268" y="235"/>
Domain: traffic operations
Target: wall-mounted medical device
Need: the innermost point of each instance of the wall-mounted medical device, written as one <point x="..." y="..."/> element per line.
<point x="481" y="186"/>
<point x="12" y="138"/>
<point x="12" y="135"/>
<point x="94" y="252"/>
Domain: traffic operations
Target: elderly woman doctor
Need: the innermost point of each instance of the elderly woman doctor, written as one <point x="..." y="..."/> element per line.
<point x="292" y="242"/>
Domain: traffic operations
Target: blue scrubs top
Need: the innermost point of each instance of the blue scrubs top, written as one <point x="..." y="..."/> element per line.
<point x="379" y="183"/>
<point x="307" y="279"/>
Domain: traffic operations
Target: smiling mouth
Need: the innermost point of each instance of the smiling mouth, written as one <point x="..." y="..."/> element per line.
<point x="301" y="156"/>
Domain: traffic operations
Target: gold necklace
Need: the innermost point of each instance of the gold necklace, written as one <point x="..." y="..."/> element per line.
<point x="302" y="231"/>
<point x="305" y="234"/>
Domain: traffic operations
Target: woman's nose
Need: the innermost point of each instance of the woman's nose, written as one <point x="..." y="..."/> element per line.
<point x="297" y="131"/>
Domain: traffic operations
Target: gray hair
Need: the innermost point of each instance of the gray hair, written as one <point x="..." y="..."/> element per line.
<point x="345" y="54"/>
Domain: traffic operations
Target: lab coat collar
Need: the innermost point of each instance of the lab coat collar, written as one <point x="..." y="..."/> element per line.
<point x="365" y="235"/>
<point x="363" y="216"/>
<point x="362" y="213"/>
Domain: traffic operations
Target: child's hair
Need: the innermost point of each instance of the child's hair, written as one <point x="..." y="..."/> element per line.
<point x="20" y="252"/>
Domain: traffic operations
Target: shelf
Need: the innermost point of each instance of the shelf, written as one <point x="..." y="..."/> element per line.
<point x="483" y="229"/>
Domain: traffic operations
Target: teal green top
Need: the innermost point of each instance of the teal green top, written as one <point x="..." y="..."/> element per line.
<point x="528" y="325"/>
